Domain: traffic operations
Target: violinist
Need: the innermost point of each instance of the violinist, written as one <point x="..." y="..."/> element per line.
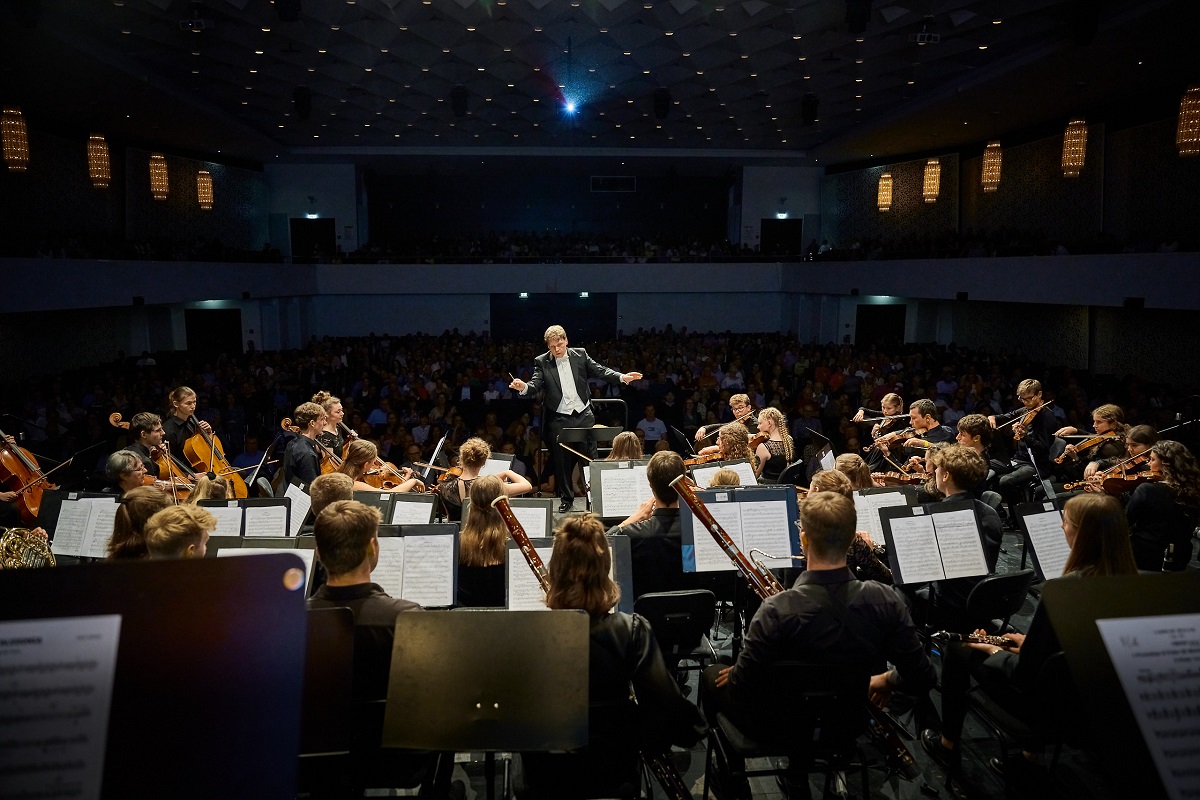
<point x="1033" y="427"/>
<point x="1164" y="511"/>
<point x="301" y="459"/>
<point x="147" y="432"/>
<point x="893" y="406"/>
<point x="177" y="427"/>
<point x="778" y="450"/>
<point x="625" y="447"/>
<point x="733" y="443"/>
<point x="928" y="429"/>
<point x="739" y="404"/>
<point x="1138" y="440"/>
<point x="124" y="471"/>
<point x="361" y="456"/>
<point x="331" y="435"/>
<point x="854" y="468"/>
<point x="1108" y="421"/>
<point x="472" y="457"/>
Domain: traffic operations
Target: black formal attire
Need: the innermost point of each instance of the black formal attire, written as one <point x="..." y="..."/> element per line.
<point x="142" y="452"/>
<point x="656" y="549"/>
<point x="774" y="465"/>
<point x="874" y="457"/>
<point x="1156" y="521"/>
<point x="481" y="587"/>
<point x="622" y="652"/>
<point x="300" y="461"/>
<point x="546" y="380"/>
<point x="1034" y="449"/>
<point x="938" y="434"/>
<point x="333" y="441"/>
<point x="176" y="431"/>
<point x="949" y="597"/>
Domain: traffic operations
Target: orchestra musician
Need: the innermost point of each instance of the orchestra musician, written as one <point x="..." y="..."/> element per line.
<point x="134" y="509"/>
<point x="360" y="455"/>
<point x="176" y="427"/>
<point x="210" y="487"/>
<point x="778" y="450"/>
<point x="733" y="443"/>
<point x="922" y="418"/>
<point x="1107" y="419"/>
<point x="855" y="469"/>
<point x="560" y="375"/>
<point x="1138" y="440"/>
<point x="625" y="447"/>
<point x="179" y="532"/>
<point x="472" y="457"/>
<point x="739" y="404"/>
<point x="482" y="548"/>
<point x="893" y="406"/>
<point x="1163" y="513"/>
<point x="301" y="458"/>
<point x="331" y="433"/>
<point x="125" y="471"/>
<point x="147" y="432"/>
<point x="866" y="558"/>
<point x="1032" y="456"/>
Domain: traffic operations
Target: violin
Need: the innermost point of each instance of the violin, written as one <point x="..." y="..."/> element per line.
<point x="20" y="472"/>
<point x="899" y="478"/>
<point x="1119" y="484"/>
<point x="204" y="452"/>
<point x="890" y="438"/>
<point x="1116" y="470"/>
<point x="1091" y="441"/>
<point x="330" y="461"/>
<point x="704" y="459"/>
<point x="1026" y="420"/>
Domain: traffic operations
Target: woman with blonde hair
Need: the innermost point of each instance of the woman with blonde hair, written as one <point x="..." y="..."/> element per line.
<point x="481" y="547"/>
<point x="331" y="432"/>
<point x="179" y="532"/>
<point x="361" y="456"/>
<point x="778" y="450"/>
<point x="625" y="447"/>
<point x="210" y="487"/>
<point x="853" y="467"/>
<point x="472" y="456"/>
<point x="866" y="558"/>
<point x="724" y="477"/>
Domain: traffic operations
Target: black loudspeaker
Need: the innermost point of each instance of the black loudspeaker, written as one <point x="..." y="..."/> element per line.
<point x="808" y="109"/>
<point x="858" y="14"/>
<point x="289" y="10"/>
<point x="662" y="103"/>
<point x="458" y="101"/>
<point x="302" y="98"/>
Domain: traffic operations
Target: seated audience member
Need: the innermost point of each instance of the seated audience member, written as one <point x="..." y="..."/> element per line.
<point x="124" y="471"/>
<point x="179" y="532"/>
<point x="724" y="477"/>
<point x="829" y="617"/>
<point x="1098" y="536"/>
<point x="622" y="654"/>
<point x="482" y="547"/>
<point x="655" y="543"/>
<point x="1163" y="513"/>
<point x="135" y="508"/>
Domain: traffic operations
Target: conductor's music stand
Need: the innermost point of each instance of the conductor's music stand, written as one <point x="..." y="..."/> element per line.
<point x="489" y="681"/>
<point x="582" y="440"/>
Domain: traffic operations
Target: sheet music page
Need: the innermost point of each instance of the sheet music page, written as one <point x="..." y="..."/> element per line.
<point x="99" y="528"/>
<point x="72" y="524"/>
<point x="868" y="506"/>
<point x="959" y="540"/>
<point x="524" y="591"/>
<point x="917" y="552"/>
<point x="621" y="490"/>
<point x="710" y="556"/>
<point x="428" y="570"/>
<point x="56" y="696"/>
<point x="389" y="572"/>
<point x="1157" y="660"/>
<point x="703" y="474"/>
<point x="412" y="512"/>
<point x="765" y="526"/>
<point x="229" y="519"/>
<point x="1048" y="542"/>
<point x="744" y="471"/>
<point x="493" y="466"/>
<point x="828" y="461"/>
<point x="301" y="503"/>
<point x="266" y="521"/>
<point x="533" y="520"/>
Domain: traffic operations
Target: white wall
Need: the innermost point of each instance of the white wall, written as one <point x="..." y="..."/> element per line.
<point x="762" y="189"/>
<point x="333" y="189"/>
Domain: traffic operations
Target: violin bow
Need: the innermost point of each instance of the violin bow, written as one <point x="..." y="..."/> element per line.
<point x="1022" y="415"/>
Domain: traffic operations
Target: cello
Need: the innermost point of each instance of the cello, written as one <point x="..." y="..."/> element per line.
<point x="179" y="479"/>
<point x="205" y="454"/>
<point x="20" y="472"/>
<point x="330" y="461"/>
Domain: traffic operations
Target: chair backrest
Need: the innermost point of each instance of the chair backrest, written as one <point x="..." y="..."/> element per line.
<point x="328" y="678"/>
<point x="1057" y="448"/>
<point x="813" y="707"/>
<point x="993" y="499"/>
<point x="793" y="472"/>
<point x="998" y="597"/>
<point x="679" y="619"/>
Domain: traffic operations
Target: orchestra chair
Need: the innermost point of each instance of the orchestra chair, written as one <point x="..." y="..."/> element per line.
<point x="792" y="473"/>
<point x="681" y="622"/>
<point x="264" y="488"/>
<point x="816" y="717"/>
<point x="997" y="598"/>
<point x="1057" y="702"/>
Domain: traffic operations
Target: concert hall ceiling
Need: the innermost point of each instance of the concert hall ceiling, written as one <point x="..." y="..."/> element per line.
<point x="676" y="77"/>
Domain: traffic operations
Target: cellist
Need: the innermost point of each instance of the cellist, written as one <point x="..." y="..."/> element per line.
<point x="331" y="434"/>
<point x="302" y="459"/>
<point x="176" y="429"/>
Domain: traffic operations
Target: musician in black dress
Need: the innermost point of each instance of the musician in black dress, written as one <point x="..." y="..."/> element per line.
<point x="331" y="434"/>
<point x="893" y="406"/>
<point x="301" y="459"/>
<point x="777" y="451"/>
<point x="1163" y="513"/>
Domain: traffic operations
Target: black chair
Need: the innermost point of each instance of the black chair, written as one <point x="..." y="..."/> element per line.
<point x="997" y="597"/>
<point x="811" y="714"/>
<point x="681" y="621"/>
<point x="792" y="473"/>
<point x="325" y="730"/>
<point x="1053" y="704"/>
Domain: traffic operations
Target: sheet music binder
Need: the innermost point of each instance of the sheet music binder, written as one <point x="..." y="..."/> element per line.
<point x="443" y="596"/>
<point x="489" y="681"/>
<point x="51" y="503"/>
<point x="622" y="562"/>
<point x="932" y="555"/>
<point x="220" y="610"/>
<point x="772" y="529"/>
<point x="254" y="503"/>
<point x="93" y="542"/>
<point x="412" y="508"/>
<point x="1046" y="544"/>
<point x="604" y="503"/>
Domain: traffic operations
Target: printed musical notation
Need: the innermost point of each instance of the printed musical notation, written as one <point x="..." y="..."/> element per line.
<point x="57" y="678"/>
<point x="1157" y="660"/>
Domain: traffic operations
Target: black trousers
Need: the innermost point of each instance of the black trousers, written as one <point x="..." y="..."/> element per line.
<point x="565" y="460"/>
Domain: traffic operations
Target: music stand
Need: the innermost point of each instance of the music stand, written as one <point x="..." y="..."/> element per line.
<point x="253" y="479"/>
<point x="587" y="437"/>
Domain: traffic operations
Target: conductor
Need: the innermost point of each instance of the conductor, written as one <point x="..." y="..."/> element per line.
<point x="561" y="376"/>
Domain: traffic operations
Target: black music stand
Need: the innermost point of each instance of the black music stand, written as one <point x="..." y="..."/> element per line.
<point x="584" y="440"/>
<point x="489" y="681"/>
<point x="258" y="470"/>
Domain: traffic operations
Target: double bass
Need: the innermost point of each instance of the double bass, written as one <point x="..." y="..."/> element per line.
<point x="20" y="473"/>
<point x="204" y="452"/>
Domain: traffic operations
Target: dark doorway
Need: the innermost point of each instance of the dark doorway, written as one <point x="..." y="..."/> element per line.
<point x="782" y="237"/>
<point x="212" y="331"/>
<point x="586" y="319"/>
<point x="880" y="324"/>
<point x="313" y="238"/>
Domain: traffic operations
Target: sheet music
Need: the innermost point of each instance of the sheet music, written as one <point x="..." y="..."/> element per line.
<point x="533" y="520"/>
<point x="493" y="466"/>
<point x="229" y="519"/>
<point x="702" y="475"/>
<point x="301" y="503"/>
<point x="428" y="570"/>
<point x="765" y="526"/>
<point x="623" y="490"/>
<point x="960" y="544"/>
<point x="710" y="556"/>
<point x="56" y="696"/>
<point x="916" y="548"/>
<point x="411" y="512"/>
<point x="72" y="525"/>
<point x="99" y="532"/>
<point x="868" y="505"/>
<point x="828" y="461"/>
<point x="524" y="591"/>
<point x="266" y="521"/>
<point x="1048" y="542"/>
<point x="389" y="572"/>
<point x="1157" y="660"/>
<point x="744" y="471"/>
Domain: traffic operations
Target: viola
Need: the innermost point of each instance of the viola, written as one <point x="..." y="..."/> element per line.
<point x="20" y="473"/>
<point x="330" y="461"/>
<point x="1119" y="484"/>
<point x="1091" y="441"/>
<point x="204" y="452"/>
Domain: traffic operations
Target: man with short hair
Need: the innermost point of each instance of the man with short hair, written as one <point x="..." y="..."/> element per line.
<point x="655" y="539"/>
<point x="147" y="432"/>
<point x="1032" y="456"/>
<point x="653" y="427"/>
<point x="561" y="375"/>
